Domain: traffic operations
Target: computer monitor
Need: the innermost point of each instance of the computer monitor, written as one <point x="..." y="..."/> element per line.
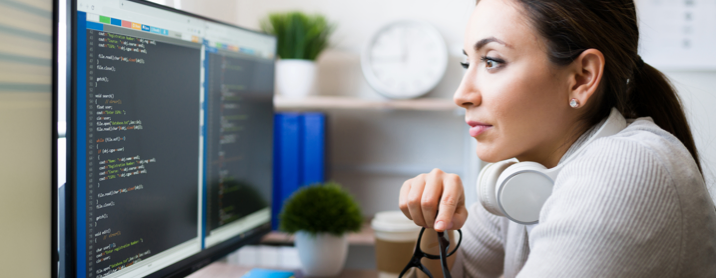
<point x="170" y="139"/>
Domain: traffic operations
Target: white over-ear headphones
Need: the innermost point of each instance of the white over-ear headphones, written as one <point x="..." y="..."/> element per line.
<point x="518" y="190"/>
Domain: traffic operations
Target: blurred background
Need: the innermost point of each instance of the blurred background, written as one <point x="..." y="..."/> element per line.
<point x="371" y="147"/>
<point x="373" y="153"/>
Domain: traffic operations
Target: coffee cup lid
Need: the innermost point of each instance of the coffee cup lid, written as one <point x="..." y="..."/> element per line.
<point x="393" y="221"/>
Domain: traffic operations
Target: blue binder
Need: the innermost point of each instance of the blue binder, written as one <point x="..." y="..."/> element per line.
<point x="314" y="133"/>
<point x="287" y="175"/>
<point x="299" y="155"/>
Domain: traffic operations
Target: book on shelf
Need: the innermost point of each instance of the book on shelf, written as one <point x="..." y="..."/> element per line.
<point x="299" y="155"/>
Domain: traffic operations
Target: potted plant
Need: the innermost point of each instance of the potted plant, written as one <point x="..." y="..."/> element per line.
<point x="301" y="38"/>
<point x="320" y="215"/>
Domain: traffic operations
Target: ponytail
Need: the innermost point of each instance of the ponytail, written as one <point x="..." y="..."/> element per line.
<point x="652" y="95"/>
<point x="634" y="88"/>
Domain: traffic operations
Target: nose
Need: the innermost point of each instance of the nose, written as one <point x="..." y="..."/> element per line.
<point x="467" y="94"/>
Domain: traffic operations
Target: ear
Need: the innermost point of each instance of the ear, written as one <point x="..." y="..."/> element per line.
<point x="587" y="71"/>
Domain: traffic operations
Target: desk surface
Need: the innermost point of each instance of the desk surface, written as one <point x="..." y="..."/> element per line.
<point x="224" y="270"/>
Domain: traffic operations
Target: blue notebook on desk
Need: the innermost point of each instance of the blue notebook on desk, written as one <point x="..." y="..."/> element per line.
<point x="267" y="273"/>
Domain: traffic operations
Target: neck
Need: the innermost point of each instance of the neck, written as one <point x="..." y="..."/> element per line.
<point x="550" y="154"/>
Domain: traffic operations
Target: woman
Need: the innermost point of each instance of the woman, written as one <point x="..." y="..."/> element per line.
<point x="541" y="75"/>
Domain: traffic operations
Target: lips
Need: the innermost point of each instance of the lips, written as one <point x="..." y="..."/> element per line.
<point x="477" y="128"/>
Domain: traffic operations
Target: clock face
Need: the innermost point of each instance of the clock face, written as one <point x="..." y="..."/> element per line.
<point x="405" y="59"/>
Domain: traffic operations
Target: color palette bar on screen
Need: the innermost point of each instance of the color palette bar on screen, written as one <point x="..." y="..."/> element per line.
<point x="159" y="31"/>
<point x="233" y="48"/>
<point x="92" y="17"/>
<point x="95" y="18"/>
<point x="95" y="26"/>
<point x="226" y="47"/>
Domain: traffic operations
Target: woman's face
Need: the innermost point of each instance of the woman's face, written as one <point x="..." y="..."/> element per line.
<point x="516" y="100"/>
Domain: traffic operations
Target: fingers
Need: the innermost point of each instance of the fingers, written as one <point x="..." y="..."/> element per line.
<point x="415" y="198"/>
<point x="434" y="200"/>
<point x="403" y="199"/>
<point x="452" y="204"/>
<point x="431" y="196"/>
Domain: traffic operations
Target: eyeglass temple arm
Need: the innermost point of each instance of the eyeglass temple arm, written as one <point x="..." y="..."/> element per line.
<point x="459" y="241"/>
<point x="444" y="245"/>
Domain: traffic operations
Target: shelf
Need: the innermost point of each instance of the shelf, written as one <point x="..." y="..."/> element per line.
<point x="342" y="103"/>
<point x="364" y="237"/>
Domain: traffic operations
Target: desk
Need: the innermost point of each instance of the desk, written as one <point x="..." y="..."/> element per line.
<point x="224" y="270"/>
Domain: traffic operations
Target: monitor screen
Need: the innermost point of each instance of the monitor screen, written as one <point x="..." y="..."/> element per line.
<point x="170" y="139"/>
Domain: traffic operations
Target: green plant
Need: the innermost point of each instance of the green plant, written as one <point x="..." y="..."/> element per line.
<point x="300" y="36"/>
<point x="321" y="208"/>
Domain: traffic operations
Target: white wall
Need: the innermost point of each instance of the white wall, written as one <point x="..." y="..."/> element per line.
<point x="698" y="94"/>
<point x="373" y="153"/>
<point x="223" y="10"/>
<point x="340" y="74"/>
<point x="26" y="138"/>
<point x="339" y="67"/>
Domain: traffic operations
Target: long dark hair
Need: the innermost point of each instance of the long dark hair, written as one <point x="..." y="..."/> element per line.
<point x="636" y="89"/>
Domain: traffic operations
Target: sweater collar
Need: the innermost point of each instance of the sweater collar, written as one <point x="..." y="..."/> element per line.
<point x="581" y="140"/>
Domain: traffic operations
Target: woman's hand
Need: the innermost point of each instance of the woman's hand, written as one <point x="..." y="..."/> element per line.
<point x="422" y="197"/>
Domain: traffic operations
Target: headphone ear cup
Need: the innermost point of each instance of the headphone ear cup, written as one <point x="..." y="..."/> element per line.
<point x="486" y="185"/>
<point x="521" y="191"/>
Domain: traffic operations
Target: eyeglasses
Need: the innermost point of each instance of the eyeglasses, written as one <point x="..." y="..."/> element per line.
<point x="419" y="254"/>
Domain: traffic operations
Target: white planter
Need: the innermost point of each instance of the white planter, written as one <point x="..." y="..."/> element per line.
<point x="322" y="254"/>
<point x="295" y="78"/>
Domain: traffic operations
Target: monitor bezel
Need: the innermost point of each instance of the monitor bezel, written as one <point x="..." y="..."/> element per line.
<point x="54" y="193"/>
<point x="178" y="269"/>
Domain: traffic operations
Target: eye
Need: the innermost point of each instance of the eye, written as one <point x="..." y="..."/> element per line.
<point x="464" y="63"/>
<point x="492" y="63"/>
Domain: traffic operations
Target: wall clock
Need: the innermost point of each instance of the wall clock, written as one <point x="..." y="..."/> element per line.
<point x="405" y="59"/>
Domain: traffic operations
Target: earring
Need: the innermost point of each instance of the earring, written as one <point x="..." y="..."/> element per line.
<point x="574" y="103"/>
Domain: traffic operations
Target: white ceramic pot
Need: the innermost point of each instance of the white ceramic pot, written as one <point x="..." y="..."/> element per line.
<point x="322" y="254"/>
<point x="295" y="78"/>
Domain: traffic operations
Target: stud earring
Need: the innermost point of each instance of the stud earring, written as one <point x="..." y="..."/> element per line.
<point x="574" y="103"/>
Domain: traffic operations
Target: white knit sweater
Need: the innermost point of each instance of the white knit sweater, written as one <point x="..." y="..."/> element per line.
<point x="631" y="205"/>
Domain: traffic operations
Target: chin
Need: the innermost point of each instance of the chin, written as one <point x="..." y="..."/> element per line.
<point x="488" y="153"/>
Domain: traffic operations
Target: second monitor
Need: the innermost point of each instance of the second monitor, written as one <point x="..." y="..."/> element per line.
<point x="172" y="122"/>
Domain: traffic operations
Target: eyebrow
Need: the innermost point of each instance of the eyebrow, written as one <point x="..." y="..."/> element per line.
<point x="485" y="41"/>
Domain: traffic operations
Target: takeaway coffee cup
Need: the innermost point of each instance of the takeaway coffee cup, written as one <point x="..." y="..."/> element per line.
<point x="395" y="238"/>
